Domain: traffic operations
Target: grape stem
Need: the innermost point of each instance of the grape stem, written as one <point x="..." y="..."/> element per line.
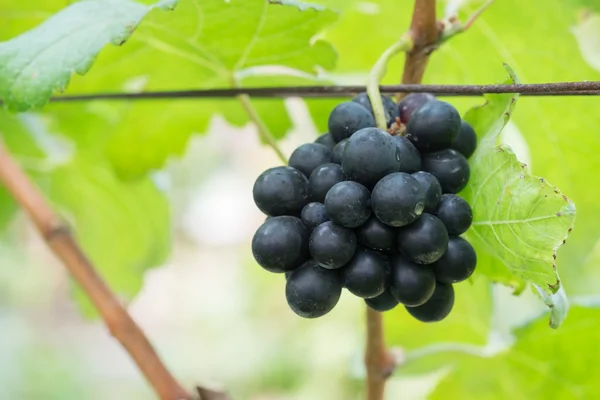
<point x="59" y="239"/>
<point x="378" y="72"/>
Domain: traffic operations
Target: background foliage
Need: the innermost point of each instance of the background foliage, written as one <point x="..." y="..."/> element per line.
<point x="103" y="164"/>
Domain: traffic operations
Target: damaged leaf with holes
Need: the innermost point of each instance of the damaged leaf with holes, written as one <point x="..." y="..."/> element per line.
<point x="519" y="220"/>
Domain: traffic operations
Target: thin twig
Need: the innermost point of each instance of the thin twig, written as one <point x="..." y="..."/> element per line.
<point x="263" y="131"/>
<point x="526" y="89"/>
<point x="58" y="237"/>
<point x="379" y="362"/>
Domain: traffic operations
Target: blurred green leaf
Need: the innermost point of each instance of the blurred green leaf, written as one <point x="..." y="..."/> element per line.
<point x="543" y="363"/>
<point x="43" y="59"/>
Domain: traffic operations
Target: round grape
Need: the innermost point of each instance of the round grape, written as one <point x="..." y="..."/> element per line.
<point x="348" y="204"/>
<point x="437" y="307"/>
<point x="326" y="140"/>
<point x="450" y="168"/>
<point x="410" y="158"/>
<point x="313" y="215"/>
<point x="370" y="154"/>
<point x="309" y="156"/>
<point x="384" y="302"/>
<point x="424" y="241"/>
<point x="389" y="107"/>
<point x="322" y="179"/>
<point x="397" y="199"/>
<point x="281" y="191"/>
<point x="367" y="274"/>
<point x="411" y="103"/>
<point x="411" y="284"/>
<point x="433" y="126"/>
<point x="376" y="235"/>
<point x="312" y="291"/>
<point x="466" y="141"/>
<point x="432" y="190"/>
<point x="281" y="244"/>
<point x="338" y="150"/>
<point x="347" y="118"/>
<point x="332" y="246"/>
<point x="457" y="264"/>
<point x="455" y="213"/>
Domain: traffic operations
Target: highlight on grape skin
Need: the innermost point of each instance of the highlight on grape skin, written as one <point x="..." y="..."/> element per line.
<point x="377" y="213"/>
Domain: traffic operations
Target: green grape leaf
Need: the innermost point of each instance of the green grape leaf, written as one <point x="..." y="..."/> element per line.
<point x="43" y="59"/>
<point x="519" y="219"/>
<point x="300" y="4"/>
<point x="542" y="363"/>
<point x="124" y="227"/>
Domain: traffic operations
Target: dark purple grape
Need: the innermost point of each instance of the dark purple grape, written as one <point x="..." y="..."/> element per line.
<point x="338" y="150"/>
<point x="449" y="167"/>
<point x="376" y="235"/>
<point x="312" y="291"/>
<point x="433" y="126"/>
<point x="389" y="107"/>
<point x="397" y="199"/>
<point x="424" y="241"/>
<point x="411" y="284"/>
<point x="309" y="156"/>
<point x="323" y="178"/>
<point x="410" y="158"/>
<point x="432" y="190"/>
<point x="331" y="245"/>
<point x="347" y="118"/>
<point x="457" y="264"/>
<point x="384" y="302"/>
<point x="281" y="191"/>
<point x="281" y="244"/>
<point x="313" y="215"/>
<point x="455" y="213"/>
<point x="367" y="274"/>
<point x="326" y="140"/>
<point x="437" y="307"/>
<point x="348" y="204"/>
<point x="411" y="103"/>
<point x="466" y="141"/>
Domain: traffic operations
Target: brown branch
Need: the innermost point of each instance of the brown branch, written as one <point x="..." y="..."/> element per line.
<point x="425" y="33"/>
<point x="58" y="237"/>
<point x="379" y="362"/>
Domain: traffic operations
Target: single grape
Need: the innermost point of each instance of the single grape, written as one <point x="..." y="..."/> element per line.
<point x="348" y="204"/>
<point x="384" y="302"/>
<point x="313" y="215"/>
<point x="411" y="103"/>
<point x="281" y="191"/>
<point x="376" y="235"/>
<point x="331" y="245"/>
<point x="437" y="307"/>
<point x="281" y="244"/>
<point x="457" y="264"/>
<point x="410" y="158"/>
<point x="433" y="126"/>
<point x="367" y="274"/>
<point x="424" y="241"/>
<point x="432" y="190"/>
<point x="455" y="213"/>
<point x="370" y="154"/>
<point x="338" y="150"/>
<point x="326" y="140"/>
<point x="389" y="107"/>
<point x="449" y="167"/>
<point x="466" y="141"/>
<point x="347" y="118"/>
<point x="397" y="199"/>
<point x="411" y="284"/>
<point x="322" y="179"/>
<point x="309" y="156"/>
<point x="312" y="291"/>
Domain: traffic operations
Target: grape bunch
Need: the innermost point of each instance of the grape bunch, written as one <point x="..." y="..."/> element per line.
<point x="372" y="212"/>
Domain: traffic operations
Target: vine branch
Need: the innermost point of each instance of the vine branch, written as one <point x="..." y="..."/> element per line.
<point x="585" y="88"/>
<point x="60" y="240"/>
